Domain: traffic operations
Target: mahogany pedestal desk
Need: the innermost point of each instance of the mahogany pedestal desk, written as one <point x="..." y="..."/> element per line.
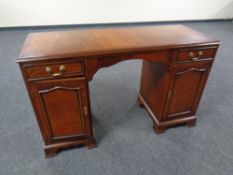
<point x="57" y="66"/>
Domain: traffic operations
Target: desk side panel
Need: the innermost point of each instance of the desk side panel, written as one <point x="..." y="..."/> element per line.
<point x="154" y="86"/>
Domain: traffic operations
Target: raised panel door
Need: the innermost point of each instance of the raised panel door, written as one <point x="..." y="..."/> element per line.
<point x="62" y="107"/>
<point x="186" y="89"/>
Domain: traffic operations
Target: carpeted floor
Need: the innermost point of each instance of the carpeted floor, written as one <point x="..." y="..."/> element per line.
<point x="127" y="145"/>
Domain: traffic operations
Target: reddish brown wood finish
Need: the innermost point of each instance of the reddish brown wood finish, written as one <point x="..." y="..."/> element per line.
<point x="108" y="41"/>
<point x="195" y="54"/>
<point x="185" y="89"/>
<point x="61" y="105"/>
<point x="176" y="64"/>
<point x="38" y="71"/>
<point x="63" y="109"/>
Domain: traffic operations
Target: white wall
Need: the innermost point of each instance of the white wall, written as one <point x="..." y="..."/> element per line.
<point x="59" y="12"/>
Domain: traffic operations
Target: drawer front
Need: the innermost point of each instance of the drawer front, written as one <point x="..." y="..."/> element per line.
<point x="191" y="55"/>
<point x="54" y="70"/>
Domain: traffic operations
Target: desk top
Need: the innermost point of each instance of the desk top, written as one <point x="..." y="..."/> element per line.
<point x="104" y="41"/>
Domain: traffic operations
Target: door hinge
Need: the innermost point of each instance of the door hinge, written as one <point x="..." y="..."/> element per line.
<point x="85" y="110"/>
<point x="169" y="94"/>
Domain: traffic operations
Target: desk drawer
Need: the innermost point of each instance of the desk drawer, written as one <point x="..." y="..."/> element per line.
<point x="54" y="70"/>
<point x="191" y="55"/>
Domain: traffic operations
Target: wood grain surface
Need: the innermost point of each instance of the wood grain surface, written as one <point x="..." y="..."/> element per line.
<point x="93" y="42"/>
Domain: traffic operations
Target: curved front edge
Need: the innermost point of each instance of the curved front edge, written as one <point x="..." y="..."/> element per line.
<point x="93" y="64"/>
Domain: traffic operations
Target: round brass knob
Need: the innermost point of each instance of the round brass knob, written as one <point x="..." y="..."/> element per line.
<point x="200" y="53"/>
<point x="48" y="69"/>
<point x="62" y="68"/>
<point x="191" y="54"/>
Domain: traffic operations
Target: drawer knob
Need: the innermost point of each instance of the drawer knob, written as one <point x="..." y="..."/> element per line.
<point x="200" y="53"/>
<point x="48" y="69"/>
<point x="191" y="54"/>
<point x="62" y="69"/>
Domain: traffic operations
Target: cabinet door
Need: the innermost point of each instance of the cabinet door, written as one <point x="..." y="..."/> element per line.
<point x="186" y="89"/>
<point x="62" y="109"/>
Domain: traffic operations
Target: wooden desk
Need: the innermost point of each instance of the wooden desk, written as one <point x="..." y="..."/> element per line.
<point x="57" y="66"/>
